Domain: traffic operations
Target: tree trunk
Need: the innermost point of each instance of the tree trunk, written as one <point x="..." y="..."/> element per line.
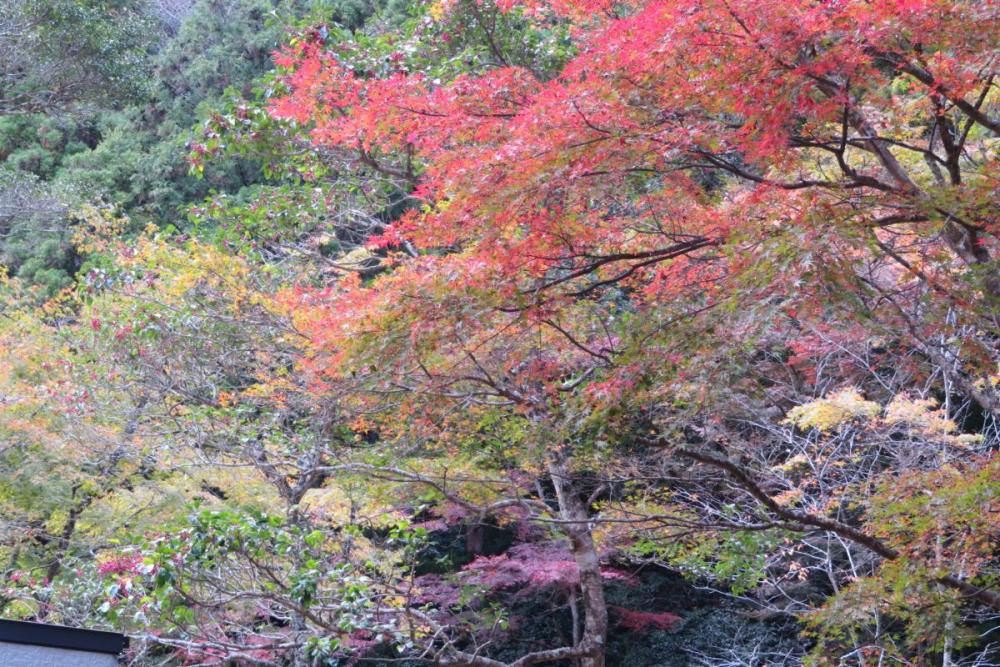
<point x="573" y="510"/>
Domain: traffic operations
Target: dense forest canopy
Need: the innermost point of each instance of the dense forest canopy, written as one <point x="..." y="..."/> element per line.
<point x="499" y="333"/>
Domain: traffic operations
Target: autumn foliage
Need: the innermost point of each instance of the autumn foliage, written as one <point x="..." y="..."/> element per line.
<point x="707" y="287"/>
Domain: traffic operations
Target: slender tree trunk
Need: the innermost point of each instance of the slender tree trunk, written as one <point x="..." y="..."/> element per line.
<point x="573" y="510"/>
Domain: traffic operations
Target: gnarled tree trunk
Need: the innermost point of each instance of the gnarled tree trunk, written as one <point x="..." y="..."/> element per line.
<point x="573" y="511"/>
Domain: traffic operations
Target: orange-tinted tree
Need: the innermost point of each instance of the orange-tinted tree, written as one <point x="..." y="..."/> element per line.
<point x="599" y="251"/>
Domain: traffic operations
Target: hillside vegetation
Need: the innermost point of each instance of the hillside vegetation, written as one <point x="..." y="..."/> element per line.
<point x="496" y="333"/>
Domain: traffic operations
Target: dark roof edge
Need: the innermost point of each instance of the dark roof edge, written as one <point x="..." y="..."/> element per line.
<point x="61" y="636"/>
